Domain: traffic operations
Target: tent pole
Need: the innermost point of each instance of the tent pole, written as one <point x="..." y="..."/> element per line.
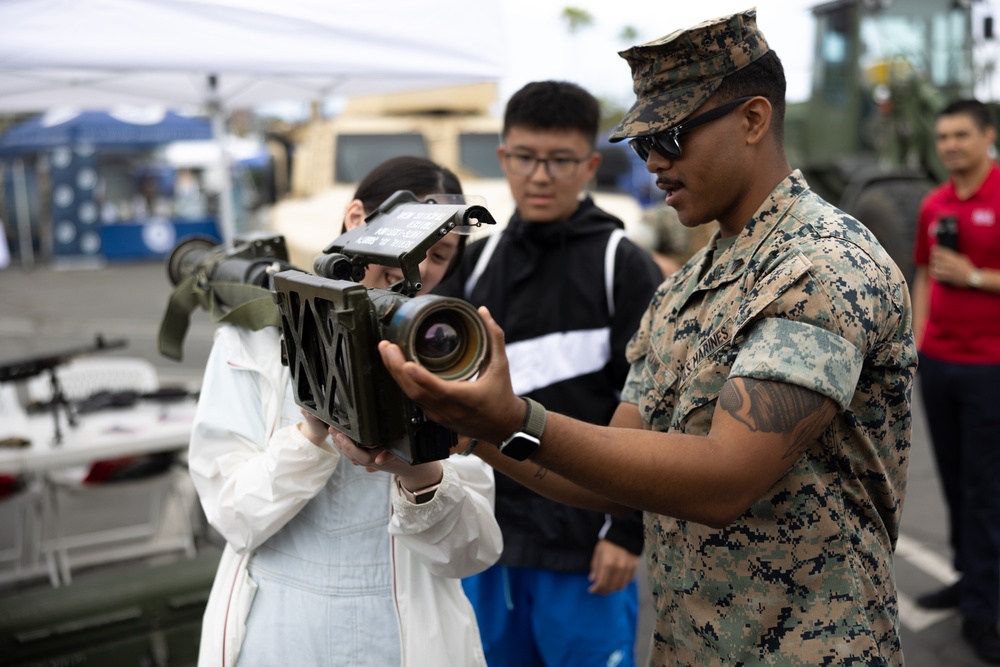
<point x="24" y="239"/>
<point x="227" y="224"/>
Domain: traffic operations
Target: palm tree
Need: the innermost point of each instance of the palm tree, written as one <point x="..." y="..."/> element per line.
<point x="576" y="19"/>
<point x="629" y="35"/>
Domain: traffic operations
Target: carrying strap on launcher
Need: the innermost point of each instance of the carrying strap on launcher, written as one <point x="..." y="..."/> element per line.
<point x="246" y="306"/>
<point x="609" y="266"/>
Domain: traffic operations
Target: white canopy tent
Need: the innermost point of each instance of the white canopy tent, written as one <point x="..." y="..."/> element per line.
<point x="230" y="54"/>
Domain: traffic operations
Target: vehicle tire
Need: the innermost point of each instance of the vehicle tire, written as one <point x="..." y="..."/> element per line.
<point x="889" y="209"/>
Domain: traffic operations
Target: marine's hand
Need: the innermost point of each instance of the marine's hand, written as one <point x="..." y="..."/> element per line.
<point x="612" y="568"/>
<point x="948" y="266"/>
<point x="485" y="408"/>
<point x="313" y="428"/>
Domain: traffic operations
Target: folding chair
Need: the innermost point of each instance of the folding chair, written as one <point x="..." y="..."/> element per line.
<point x="21" y="536"/>
<point x="91" y="524"/>
<point x="21" y="502"/>
<point x="114" y="521"/>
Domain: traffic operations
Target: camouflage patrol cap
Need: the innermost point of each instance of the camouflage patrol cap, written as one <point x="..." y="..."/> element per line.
<point x="675" y="74"/>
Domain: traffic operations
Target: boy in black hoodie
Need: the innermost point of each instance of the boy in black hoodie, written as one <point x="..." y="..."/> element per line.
<point x="568" y="290"/>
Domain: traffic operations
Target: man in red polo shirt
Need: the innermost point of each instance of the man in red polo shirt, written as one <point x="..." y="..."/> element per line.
<point x="956" y="320"/>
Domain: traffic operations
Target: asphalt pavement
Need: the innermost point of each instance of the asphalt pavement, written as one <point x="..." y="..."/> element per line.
<point x="45" y="311"/>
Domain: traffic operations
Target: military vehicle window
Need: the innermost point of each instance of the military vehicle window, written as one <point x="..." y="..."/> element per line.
<point x="357" y="154"/>
<point x="615" y="168"/>
<point x="931" y="42"/>
<point x="831" y="74"/>
<point x="478" y="154"/>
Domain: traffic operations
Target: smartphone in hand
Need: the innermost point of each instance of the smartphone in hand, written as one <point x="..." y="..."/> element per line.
<point x="947" y="232"/>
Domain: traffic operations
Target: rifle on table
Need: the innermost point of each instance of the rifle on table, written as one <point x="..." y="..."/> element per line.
<point x="16" y="371"/>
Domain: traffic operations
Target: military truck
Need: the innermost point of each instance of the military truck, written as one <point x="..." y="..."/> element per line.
<point x="881" y="71"/>
<point x="454" y="127"/>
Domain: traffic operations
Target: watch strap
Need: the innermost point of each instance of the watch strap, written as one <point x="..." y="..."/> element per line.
<point x="534" y="421"/>
<point x="976" y="279"/>
<point x="522" y="443"/>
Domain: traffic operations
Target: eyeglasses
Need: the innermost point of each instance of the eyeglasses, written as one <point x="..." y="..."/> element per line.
<point x="668" y="143"/>
<point x="522" y="164"/>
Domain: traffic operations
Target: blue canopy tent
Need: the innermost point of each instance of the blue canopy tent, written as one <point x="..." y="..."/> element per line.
<point x="78" y="145"/>
<point x="121" y="129"/>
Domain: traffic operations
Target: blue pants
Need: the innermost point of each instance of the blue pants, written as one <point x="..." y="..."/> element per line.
<point x="964" y="422"/>
<point x="531" y="617"/>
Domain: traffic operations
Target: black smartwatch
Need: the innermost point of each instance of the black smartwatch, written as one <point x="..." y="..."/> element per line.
<point x="525" y="442"/>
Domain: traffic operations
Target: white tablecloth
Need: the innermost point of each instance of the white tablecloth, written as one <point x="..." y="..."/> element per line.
<point x="144" y="428"/>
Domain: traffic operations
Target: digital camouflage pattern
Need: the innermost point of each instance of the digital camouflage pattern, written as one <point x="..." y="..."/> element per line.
<point x="672" y="76"/>
<point x="804" y="295"/>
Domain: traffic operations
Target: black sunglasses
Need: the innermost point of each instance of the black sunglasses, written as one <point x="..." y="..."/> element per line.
<point x="668" y="143"/>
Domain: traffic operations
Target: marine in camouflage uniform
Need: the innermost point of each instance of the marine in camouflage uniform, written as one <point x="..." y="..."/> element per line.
<point x="805" y="295"/>
<point x="771" y="376"/>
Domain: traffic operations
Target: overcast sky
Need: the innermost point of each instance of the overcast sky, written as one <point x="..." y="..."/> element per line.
<point x="539" y="45"/>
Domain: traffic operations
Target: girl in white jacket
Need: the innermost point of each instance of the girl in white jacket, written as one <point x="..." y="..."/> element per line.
<point x="326" y="563"/>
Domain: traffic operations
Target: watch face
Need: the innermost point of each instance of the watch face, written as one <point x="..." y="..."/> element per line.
<point x="520" y="446"/>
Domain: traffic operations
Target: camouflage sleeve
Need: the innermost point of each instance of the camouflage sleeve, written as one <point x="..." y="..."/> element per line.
<point x="632" y="389"/>
<point x="635" y="353"/>
<point x="802" y="354"/>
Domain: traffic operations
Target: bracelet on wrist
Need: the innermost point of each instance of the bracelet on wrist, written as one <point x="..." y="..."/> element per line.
<point x="975" y="280"/>
<point x="420" y="496"/>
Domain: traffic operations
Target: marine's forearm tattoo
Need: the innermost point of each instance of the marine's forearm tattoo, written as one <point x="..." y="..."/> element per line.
<point x="775" y="407"/>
